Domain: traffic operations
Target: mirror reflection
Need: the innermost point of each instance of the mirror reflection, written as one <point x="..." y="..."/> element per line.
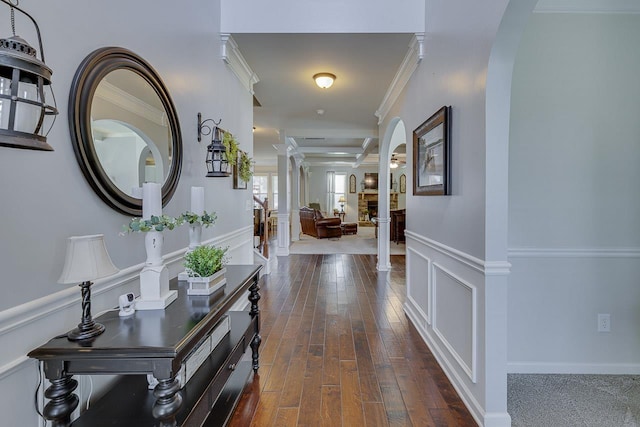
<point x="131" y="134"/>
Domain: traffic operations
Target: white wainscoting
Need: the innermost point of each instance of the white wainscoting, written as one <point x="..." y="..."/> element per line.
<point x="445" y="293"/>
<point x="27" y="326"/>
<point x="571" y="286"/>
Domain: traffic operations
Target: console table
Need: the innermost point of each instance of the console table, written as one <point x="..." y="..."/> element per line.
<point x="158" y="342"/>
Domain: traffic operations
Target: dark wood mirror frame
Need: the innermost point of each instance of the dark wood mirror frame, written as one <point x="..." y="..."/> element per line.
<point x="90" y="73"/>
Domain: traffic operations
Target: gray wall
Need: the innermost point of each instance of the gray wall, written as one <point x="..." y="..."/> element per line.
<point x="45" y="197"/>
<point x="574" y="233"/>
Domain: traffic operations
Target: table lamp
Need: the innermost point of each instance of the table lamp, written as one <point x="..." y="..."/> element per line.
<point x="342" y="201"/>
<point x="87" y="259"/>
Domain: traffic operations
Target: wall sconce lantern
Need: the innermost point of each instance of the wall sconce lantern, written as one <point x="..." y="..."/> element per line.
<point x="23" y="78"/>
<point x="217" y="163"/>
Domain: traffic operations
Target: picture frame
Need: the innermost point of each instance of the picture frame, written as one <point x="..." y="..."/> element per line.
<point x="432" y="155"/>
<point x="238" y="184"/>
<point x="403" y="183"/>
<point x="352" y="184"/>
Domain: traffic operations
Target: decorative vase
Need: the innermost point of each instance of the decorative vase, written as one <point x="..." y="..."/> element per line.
<point x="195" y="236"/>
<point x="206" y="285"/>
<point x="153" y="241"/>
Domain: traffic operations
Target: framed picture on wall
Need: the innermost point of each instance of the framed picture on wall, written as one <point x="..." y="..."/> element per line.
<point x="403" y="183"/>
<point x="352" y="183"/>
<point x="432" y="155"/>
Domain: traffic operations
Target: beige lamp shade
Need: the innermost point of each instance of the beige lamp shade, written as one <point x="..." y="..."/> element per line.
<point x="341" y="199"/>
<point x="86" y="260"/>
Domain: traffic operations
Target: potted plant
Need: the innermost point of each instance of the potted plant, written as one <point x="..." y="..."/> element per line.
<point x="205" y="269"/>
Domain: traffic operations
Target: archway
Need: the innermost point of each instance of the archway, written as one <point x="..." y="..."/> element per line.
<point x="395" y="136"/>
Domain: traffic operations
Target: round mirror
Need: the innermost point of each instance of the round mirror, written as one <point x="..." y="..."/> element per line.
<point x="124" y="128"/>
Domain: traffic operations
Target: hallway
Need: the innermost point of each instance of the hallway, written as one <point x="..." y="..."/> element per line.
<point x="337" y="350"/>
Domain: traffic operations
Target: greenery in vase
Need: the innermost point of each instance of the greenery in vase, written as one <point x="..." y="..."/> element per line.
<point x="244" y="169"/>
<point x="205" y="261"/>
<point x="154" y="223"/>
<point x="205" y="219"/>
<point x="231" y="146"/>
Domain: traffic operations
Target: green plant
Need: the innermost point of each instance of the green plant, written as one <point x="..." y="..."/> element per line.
<point x="244" y="168"/>
<point x="154" y="223"/>
<point x="205" y="261"/>
<point x="231" y="146"/>
<point x="205" y="219"/>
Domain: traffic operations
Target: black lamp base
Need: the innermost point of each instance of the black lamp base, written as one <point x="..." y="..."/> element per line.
<point x="80" y="333"/>
<point x="87" y="328"/>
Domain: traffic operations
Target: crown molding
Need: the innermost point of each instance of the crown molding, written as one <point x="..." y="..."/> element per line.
<point x="414" y="56"/>
<point x="230" y="54"/>
<point x="128" y="102"/>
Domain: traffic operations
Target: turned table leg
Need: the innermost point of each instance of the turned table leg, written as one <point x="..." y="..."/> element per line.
<point x="254" y="297"/>
<point x="62" y="401"/>
<point x="168" y="401"/>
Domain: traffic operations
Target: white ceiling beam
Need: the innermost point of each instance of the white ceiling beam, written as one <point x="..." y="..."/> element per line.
<point x="231" y="55"/>
<point x="333" y="133"/>
<point x="330" y="149"/>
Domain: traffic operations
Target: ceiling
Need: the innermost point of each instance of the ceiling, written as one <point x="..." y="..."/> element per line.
<point x="328" y="126"/>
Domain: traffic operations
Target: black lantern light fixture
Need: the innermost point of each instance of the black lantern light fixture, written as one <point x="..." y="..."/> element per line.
<point x="217" y="163"/>
<point x="23" y="78"/>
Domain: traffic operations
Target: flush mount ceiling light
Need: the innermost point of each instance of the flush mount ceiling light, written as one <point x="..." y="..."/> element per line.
<point x="324" y="80"/>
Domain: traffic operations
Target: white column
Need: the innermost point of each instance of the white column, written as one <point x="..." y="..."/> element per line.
<point x="295" y="200"/>
<point x="384" y="220"/>
<point x="283" y="238"/>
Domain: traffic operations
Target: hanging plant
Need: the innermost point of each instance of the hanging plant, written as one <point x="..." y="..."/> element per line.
<point x="244" y="168"/>
<point x="155" y="223"/>
<point x="231" y="146"/>
<point x="205" y="219"/>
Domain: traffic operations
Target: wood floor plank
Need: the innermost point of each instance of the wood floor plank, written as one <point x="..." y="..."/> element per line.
<point x="310" y="414"/>
<point x="374" y="414"/>
<point x="331" y="406"/>
<point x="286" y="417"/>
<point x="266" y="411"/>
<point x="352" y="411"/>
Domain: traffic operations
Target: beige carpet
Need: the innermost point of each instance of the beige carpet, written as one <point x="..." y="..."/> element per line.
<point x="364" y="242"/>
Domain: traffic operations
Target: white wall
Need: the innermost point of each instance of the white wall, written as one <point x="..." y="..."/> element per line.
<point x="574" y="233"/>
<point x="45" y="197"/>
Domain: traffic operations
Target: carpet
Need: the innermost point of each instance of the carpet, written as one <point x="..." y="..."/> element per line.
<point x="536" y="400"/>
<point x="364" y="243"/>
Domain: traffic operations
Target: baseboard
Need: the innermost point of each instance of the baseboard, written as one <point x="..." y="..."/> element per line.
<point x="573" y="368"/>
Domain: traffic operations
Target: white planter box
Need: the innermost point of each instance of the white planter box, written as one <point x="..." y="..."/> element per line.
<point x="206" y="285"/>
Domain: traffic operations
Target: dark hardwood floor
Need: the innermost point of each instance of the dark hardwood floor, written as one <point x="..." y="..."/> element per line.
<point x="338" y="350"/>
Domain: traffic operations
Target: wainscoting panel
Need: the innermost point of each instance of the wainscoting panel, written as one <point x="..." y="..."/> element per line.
<point x="456" y="329"/>
<point x="555" y="296"/>
<point x="445" y="290"/>
<point x="418" y="285"/>
<point x="27" y="326"/>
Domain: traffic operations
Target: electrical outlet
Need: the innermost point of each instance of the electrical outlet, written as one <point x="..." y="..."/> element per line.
<point x="604" y="322"/>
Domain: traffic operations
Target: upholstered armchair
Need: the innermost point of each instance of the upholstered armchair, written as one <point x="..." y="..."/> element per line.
<point x="314" y="224"/>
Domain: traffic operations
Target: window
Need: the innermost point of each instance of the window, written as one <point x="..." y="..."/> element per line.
<point x="337" y="185"/>
<point x="260" y="189"/>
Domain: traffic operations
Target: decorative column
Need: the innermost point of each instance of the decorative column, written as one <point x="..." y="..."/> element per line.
<point x="295" y="199"/>
<point x="384" y="220"/>
<point x="154" y="277"/>
<point x="284" y="238"/>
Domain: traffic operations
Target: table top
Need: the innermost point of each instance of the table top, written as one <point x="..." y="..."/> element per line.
<point x="171" y="332"/>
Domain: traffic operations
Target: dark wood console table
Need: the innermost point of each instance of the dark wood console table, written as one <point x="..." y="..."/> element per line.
<point x="157" y="342"/>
